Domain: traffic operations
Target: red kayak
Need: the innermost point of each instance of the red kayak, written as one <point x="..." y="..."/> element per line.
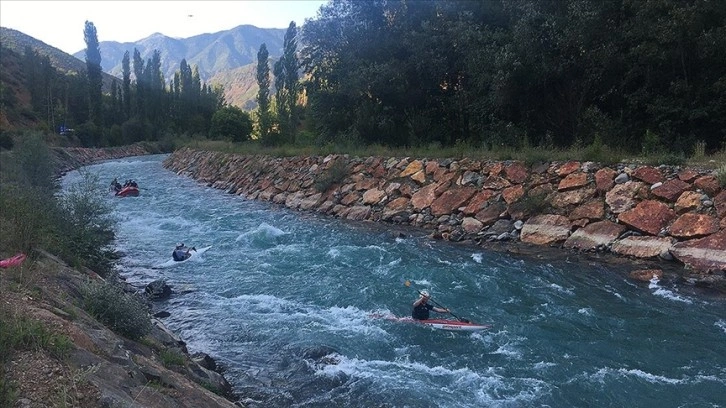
<point x="14" y="261"/>
<point x="128" y="191"/>
<point x="440" y="324"/>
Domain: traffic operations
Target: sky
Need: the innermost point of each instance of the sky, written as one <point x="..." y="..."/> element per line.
<point x="61" y="23"/>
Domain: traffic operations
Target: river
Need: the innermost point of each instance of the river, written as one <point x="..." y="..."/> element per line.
<point x="286" y="302"/>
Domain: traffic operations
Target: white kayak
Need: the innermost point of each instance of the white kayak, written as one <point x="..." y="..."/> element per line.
<point x="440" y="324"/>
<point x="193" y="255"/>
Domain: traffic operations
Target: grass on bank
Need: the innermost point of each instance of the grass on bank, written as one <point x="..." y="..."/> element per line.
<point x="596" y="152"/>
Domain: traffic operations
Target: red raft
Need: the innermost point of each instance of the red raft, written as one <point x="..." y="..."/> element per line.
<point x="128" y="191"/>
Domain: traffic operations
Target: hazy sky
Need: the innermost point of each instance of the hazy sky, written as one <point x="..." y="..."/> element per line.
<point x="61" y="23"/>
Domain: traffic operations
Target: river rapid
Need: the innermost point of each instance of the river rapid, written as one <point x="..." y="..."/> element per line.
<point x="289" y="303"/>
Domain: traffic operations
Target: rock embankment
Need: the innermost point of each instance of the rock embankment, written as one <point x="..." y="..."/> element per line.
<point x="671" y="214"/>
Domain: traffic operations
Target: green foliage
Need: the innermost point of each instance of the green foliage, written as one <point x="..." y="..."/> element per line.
<point x="651" y="143"/>
<point x="721" y="176"/>
<point x="87" y="223"/>
<point x="533" y="204"/>
<point x="6" y="141"/>
<point x="26" y="334"/>
<point x="331" y="176"/>
<point x="171" y="357"/>
<point x="122" y="312"/>
<point x="231" y="123"/>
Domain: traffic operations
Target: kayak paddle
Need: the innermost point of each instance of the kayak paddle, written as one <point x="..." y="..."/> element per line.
<point x="461" y="319"/>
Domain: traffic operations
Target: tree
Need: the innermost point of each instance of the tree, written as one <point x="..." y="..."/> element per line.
<point x="263" y="95"/>
<point x="94" y="72"/>
<point x="126" y="85"/>
<point x="287" y="85"/>
<point x="232" y="123"/>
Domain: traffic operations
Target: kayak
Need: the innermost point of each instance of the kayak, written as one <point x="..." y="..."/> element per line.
<point x="441" y="324"/>
<point x="192" y="255"/>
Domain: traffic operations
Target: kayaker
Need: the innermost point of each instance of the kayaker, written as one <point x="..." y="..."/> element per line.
<point x="421" y="307"/>
<point x="180" y="253"/>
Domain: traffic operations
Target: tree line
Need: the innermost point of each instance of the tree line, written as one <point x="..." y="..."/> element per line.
<point x="627" y="73"/>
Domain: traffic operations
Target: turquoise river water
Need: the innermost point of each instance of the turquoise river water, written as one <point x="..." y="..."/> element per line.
<point x="286" y="301"/>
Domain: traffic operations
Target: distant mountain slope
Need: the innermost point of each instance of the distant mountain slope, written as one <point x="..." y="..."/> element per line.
<point x="214" y="54"/>
<point x="17" y="41"/>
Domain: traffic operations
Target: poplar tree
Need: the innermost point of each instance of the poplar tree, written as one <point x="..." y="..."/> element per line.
<point x="95" y="79"/>
<point x="263" y="95"/>
<point x="126" y="85"/>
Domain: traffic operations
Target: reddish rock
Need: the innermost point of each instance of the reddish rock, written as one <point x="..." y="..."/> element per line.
<point x="648" y="216"/>
<point x="491" y="214"/>
<point x="594" y="235"/>
<point x="649" y="174"/>
<point x="720" y="203"/>
<point x="709" y="185"/>
<point x="572" y="181"/>
<point x="622" y="197"/>
<point x="516" y="173"/>
<point x="419" y="177"/>
<point x="406" y="190"/>
<point x="424" y="197"/>
<point x="512" y="194"/>
<point x="646" y="275"/>
<point x="642" y="247"/>
<point x="350" y="198"/>
<point x="471" y="225"/>
<point x="605" y="179"/>
<point x="568" y="168"/>
<point x="688" y="201"/>
<point x="378" y="171"/>
<point x="412" y="168"/>
<point x="495" y="169"/>
<point x="574" y="197"/>
<point x="478" y="202"/>
<point x="366" y="183"/>
<point x="592" y="210"/>
<point x="358" y="213"/>
<point x="451" y="200"/>
<point x="704" y="254"/>
<point x="545" y="229"/>
<point x="432" y="166"/>
<point x="311" y="202"/>
<point x="440" y="173"/>
<point x="495" y="183"/>
<point x="671" y="190"/>
<point x="373" y="196"/>
<point x="394" y="208"/>
<point x="687" y="175"/>
<point x="579" y="223"/>
<point x="722" y="224"/>
<point x="693" y="225"/>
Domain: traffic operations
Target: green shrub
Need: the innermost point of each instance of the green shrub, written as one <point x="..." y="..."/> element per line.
<point x="533" y="204"/>
<point x="721" y="176"/>
<point x="171" y="358"/>
<point x="331" y="176"/>
<point x="122" y="312"/>
<point x="26" y="334"/>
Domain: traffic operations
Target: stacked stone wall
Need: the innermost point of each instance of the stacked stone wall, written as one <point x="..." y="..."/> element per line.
<point x="669" y="213"/>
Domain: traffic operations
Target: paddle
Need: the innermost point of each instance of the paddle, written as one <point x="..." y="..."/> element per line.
<point x="461" y="319"/>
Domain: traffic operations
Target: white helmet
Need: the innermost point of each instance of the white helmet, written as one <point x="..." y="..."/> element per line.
<point x="425" y="293"/>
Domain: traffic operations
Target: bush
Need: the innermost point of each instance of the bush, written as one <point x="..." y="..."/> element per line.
<point x="331" y="176"/>
<point x="122" y="312"/>
<point x="721" y="176"/>
<point x="171" y="357"/>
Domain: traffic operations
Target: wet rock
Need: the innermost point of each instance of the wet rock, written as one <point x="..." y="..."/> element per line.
<point x="646" y="275"/>
<point x="545" y="229"/>
<point x="642" y="247"/>
<point x="706" y="254"/>
<point x="602" y="233"/>
<point x="158" y="290"/>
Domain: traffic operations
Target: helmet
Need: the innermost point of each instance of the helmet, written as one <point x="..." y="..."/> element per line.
<point x="425" y="293"/>
<point x="179" y="244"/>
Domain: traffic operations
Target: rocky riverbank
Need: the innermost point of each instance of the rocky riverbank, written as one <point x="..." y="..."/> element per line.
<point x="672" y="216"/>
<point x="79" y="362"/>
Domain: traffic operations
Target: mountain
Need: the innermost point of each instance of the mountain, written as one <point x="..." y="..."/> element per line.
<point x="17" y="41"/>
<point x="227" y="58"/>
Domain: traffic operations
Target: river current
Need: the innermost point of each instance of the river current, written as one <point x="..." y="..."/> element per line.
<point x="286" y="302"/>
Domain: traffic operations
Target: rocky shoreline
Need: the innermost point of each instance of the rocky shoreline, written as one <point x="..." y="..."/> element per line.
<point x="666" y="221"/>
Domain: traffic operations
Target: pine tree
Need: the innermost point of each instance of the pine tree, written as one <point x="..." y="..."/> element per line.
<point x="126" y="85"/>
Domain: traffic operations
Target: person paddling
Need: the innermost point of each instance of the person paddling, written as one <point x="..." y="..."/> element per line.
<point x="421" y="307"/>
<point x="181" y="252"/>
